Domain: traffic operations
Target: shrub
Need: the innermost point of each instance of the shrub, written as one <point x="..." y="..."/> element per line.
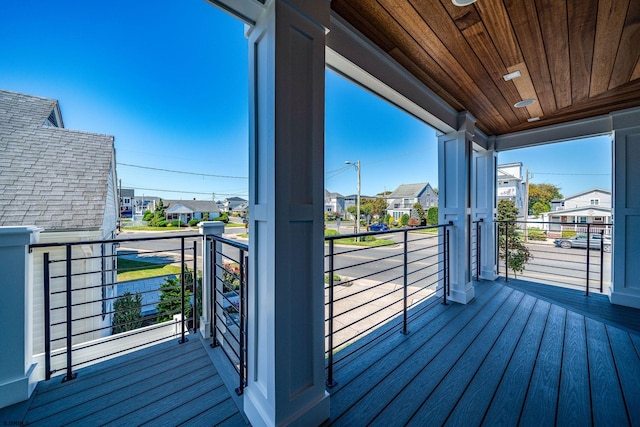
<point x="330" y="232"/>
<point x="413" y="222"/>
<point x="171" y="299"/>
<point x="432" y="216"/>
<point x="127" y="312"/>
<point x="404" y="220"/>
<point x="194" y="222"/>
<point x="148" y="215"/>
<point x="161" y="223"/>
<point x="536" y="234"/>
<point x="231" y="277"/>
<point x="568" y="233"/>
<point x="177" y="223"/>
<point x="224" y="217"/>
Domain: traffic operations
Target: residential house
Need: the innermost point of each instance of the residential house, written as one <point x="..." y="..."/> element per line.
<point x="241" y="210"/>
<point x="450" y="65"/>
<point x="401" y="201"/>
<point x="589" y="207"/>
<point x="186" y="210"/>
<point x="64" y="182"/>
<point x="232" y="202"/>
<point x="511" y="185"/>
<point x="352" y="200"/>
<point x="126" y="197"/>
<point x="143" y="204"/>
<point x="334" y="202"/>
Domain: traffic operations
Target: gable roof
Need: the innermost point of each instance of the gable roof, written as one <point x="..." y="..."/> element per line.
<point x="191" y="205"/>
<point x="408" y="190"/>
<point x="51" y="177"/>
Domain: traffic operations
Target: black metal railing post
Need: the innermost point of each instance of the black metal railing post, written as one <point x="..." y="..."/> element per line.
<point x="195" y="286"/>
<point x="601" y="259"/>
<point x="496" y="229"/>
<point x="69" y="301"/>
<point x="213" y="297"/>
<point x="445" y="276"/>
<point x="242" y="314"/>
<point x="449" y="261"/>
<point x="47" y="316"/>
<point x="405" y="281"/>
<point x="183" y="339"/>
<point x="506" y="251"/>
<point x="330" y="381"/>
<point x="588" y="255"/>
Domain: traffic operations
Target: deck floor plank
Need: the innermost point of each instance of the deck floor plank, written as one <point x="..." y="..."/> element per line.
<point x="365" y="396"/>
<point x="574" y="399"/>
<point x="435" y="361"/>
<point x="523" y="333"/>
<point x="220" y="413"/>
<point x="541" y="402"/>
<point x="628" y="370"/>
<point x="606" y="396"/>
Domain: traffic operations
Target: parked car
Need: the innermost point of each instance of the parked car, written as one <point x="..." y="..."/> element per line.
<point x="580" y="241"/>
<point x="378" y="227"/>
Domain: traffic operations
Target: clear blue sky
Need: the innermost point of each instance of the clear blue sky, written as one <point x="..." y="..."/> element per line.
<point x="169" y="80"/>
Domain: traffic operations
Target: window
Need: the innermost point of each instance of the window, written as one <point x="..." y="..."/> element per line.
<point x="594" y="202"/>
<point x="582" y="220"/>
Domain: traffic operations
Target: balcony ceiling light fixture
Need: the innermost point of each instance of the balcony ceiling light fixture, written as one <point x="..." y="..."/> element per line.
<point x="533" y="119"/>
<point x="512" y="76"/>
<point x="524" y="103"/>
<point x="462" y="3"/>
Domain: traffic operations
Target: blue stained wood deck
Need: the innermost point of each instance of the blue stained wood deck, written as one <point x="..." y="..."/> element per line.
<point x="510" y="357"/>
<point x="168" y="384"/>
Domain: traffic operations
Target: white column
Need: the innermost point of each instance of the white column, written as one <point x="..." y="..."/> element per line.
<point x="484" y="208"/>
<point x="286" y="159"/>
<point x="454" y="200"/>
<point x="626" y="209"/>
<point x="16" y="287"/>
<point x="211" y="257"/>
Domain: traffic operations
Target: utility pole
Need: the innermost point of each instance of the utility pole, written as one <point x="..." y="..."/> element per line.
<point x="526" y="207"/>
<point x="357" y="166"/>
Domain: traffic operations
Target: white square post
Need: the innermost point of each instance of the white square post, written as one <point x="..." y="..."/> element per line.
<point x="211" y="257"/>
<point x="16" y="285"/>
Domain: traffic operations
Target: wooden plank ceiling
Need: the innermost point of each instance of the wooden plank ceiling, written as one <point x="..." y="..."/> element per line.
<point x="576" y="58"/>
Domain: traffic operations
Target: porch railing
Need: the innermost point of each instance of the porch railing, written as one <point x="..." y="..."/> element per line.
<point x="366" y="287"/>
<point x="559" y="255"/>
<point x="86" y="314"/>
<point x="229" y="266"/>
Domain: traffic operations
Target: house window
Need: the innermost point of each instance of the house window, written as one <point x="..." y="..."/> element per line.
<point x="127" y="200"/>
<point x="594" y="202"/>
<point x="597" y="218"/>
<point x="582" y="220"/>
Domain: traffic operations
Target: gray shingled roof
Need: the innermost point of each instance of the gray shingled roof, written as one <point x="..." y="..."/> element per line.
<point x="51" y="177"/>
<point x="408" y="191"/>
<point x="193" y="205"/>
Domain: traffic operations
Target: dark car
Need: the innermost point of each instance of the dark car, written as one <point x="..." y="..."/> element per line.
<point x="378" y="227"/>
<point x="580" y="241"/>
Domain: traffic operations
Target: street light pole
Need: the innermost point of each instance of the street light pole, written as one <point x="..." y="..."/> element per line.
<point x="357" y="166"/>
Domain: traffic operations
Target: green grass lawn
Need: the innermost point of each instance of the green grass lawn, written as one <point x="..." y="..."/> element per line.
<point x="234" y="224"/>
<point x="149" y="228"/>
<point x="132" y="270"/>
<point x="426" y="231"/>
<point x="368" y="240"/>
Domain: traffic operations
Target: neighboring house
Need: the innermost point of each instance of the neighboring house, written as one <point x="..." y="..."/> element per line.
<point x="510" y="185"/>
<point x="352" y="200"/>
<point x="143" y="204"/>
<point x="127" y="196"/>
<point x="241" y="210"/>
<point x="589" y="207"/>
<point x="231" y="203"/>
<point x="401" y="201"/>
<point x="334" y="202"/>
<point x="63" y="181"/>
<point x="186" y="210"/>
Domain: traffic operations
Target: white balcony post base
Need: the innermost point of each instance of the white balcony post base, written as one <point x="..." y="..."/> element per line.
<point x="209" y="228"/>
<point x="16" y="335"/>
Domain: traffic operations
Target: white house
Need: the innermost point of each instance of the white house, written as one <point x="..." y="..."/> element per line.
<point x="401" y="201"/>
<point x="334" y="202"/>
<point x="589" y="207"/>
<point x="64" y="182"/>
<point x="186" y="210"/>
<point x="232" y="202"/>
<point x="511" y="185"/>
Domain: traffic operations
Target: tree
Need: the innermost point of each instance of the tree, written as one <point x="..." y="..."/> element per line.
<point x="171" y="299"/>
<point x="519" y="255"/>
<point x="148" y="215"/>
<point x="540" y="207"/>
<point x="432" y="216"/>
<point x="543" y="193"/>
<point x="404" y="220"/>
<point x="379" y="207"/>
<point x="127" y="312"/>
<point x="420" y="214"/>
<point x="158" y="219"/>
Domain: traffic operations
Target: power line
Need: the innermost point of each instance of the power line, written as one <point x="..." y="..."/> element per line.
<point x="208" y="193"/>
<point x="571" y="174"/>
<point x="183" y="172"/>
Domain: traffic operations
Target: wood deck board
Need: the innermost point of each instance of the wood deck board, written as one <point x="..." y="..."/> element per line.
<point x="508" y="400"/>
<point x="473" y="404"/>
<point x="628" y="370"/>
<point x="378" y="386"/>
<point x="397" y="395"/>
<point x="542" y="396"/>
<point x="606" y="397"/>
<point x="490" y="349"/>
<point x="166" y="384"/>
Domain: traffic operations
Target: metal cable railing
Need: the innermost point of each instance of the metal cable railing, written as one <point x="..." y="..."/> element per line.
<point x="89" y="314"/>
<point x="367" y="287"/>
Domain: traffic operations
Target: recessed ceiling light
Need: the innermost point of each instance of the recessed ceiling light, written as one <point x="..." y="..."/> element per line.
<point x="463" y="2"/>
<point x="533" y="119"/>
<point x="511" y="76"/>
<point x="524" y="103"/>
